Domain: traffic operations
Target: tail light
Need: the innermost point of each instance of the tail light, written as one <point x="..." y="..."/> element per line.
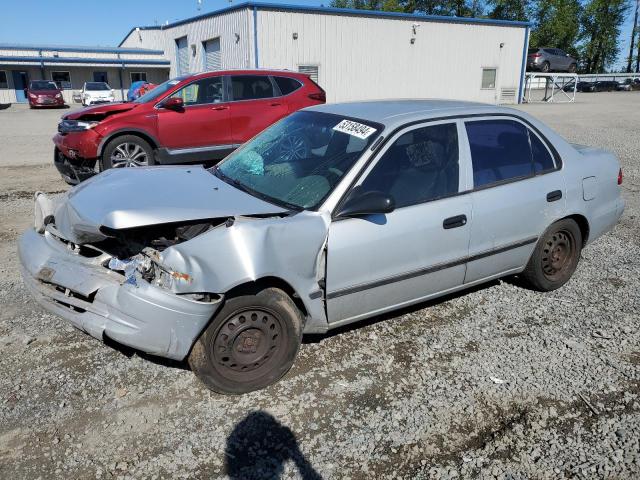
<point x="535" y="55"/>
<point x="320" y="96"/>
<point x="620" y="177"/>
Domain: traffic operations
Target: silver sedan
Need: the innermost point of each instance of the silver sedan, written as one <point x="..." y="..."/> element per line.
<point x="335" y="214"/>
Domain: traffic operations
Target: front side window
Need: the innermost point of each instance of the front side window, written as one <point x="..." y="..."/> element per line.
<point x="421" y="165"/>
<point x="160" y="90"/>
<point x="251" y="87"/>
<point x="205" y="91"/>
<point x="298" y="161"/>
<point x="62" y="79"/>
<point x="499" y="151"/>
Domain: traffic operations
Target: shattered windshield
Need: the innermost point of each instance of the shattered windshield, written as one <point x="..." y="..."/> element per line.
<point x="298" y="161"/>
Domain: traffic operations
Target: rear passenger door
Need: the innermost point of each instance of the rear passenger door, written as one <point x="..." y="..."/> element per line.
<point x="518" y="192"/>
<point x="255" y="105"/>
<point x="379" y="262"/>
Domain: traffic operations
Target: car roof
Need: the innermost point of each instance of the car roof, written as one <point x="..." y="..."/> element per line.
<point x="395" y="113"/>
<point x="255" y="71"/>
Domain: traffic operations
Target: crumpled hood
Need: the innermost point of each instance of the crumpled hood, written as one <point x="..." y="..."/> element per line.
<point x="100" y="110"/>
<point x="137" y="197"/>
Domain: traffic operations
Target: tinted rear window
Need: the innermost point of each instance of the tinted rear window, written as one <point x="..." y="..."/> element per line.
<point x="287" y="84"/>
<point x="251" y="87"/>
<point x="499" y="151"/>
<point x="542" y="159"/>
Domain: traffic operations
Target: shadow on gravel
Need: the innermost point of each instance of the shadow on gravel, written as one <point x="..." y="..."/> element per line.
<point x="258" y="448"/>
<point x="318" y="337"/>
<point x="130" y="352"/>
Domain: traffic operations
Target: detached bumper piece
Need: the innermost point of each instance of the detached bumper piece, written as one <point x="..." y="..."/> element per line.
<point x="74" y="171"/>
<point x="73" y="283"/>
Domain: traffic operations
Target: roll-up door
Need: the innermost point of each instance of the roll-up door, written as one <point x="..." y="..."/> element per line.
<point x="182" y="55"/>
<point x="212" y="55"/>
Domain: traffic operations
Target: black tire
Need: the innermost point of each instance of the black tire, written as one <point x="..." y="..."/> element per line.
<point x="546" y="67"/>
<point x="250" y="344"/>
<point x="555" y="258"/>
<point x="140" y="153"/>
<point x="572" y="68"/>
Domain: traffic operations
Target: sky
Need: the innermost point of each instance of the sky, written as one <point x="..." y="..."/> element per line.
<point x="106" y="22"/>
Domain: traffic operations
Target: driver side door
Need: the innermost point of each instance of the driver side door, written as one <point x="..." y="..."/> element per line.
<point x="377" y="263"/>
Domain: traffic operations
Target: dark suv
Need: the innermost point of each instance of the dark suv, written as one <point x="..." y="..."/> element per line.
<point x="550" y="59"/>
<point x="190" y="119"/>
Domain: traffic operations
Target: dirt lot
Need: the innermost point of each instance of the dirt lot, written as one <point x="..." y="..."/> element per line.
<point x="496" y="382"/>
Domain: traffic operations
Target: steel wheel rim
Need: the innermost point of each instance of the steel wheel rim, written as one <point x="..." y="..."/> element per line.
<point x="557" y="255"/>
<point x="248" y="343"/>
<point x="129" y="154"/>
<point x="292" y="147"/>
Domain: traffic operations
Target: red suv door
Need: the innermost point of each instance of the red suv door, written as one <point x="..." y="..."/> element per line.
<point x="204" y="120"/>
<point x="254" y="107"/>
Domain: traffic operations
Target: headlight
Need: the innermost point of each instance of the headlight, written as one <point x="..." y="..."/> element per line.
<point x="31" y="95"/>
<point x="67" y="126"/>
<point x="58" y="95"/>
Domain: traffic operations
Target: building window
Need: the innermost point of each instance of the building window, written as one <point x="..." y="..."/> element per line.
<point x="3" y="80"/>
<point x="488" y="78"/>
<point x="100" y="77"/>
<point x="311" y="70"/>
<point x="62" y="79"/>
<point x="138" y="77"/>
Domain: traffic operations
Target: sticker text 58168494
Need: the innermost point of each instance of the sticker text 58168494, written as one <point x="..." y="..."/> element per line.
<point x="354" y="128"/>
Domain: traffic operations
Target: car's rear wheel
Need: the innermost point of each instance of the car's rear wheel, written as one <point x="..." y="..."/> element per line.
<point x="546" y="67"/>
<point x="250" y="344"/>
<point x="572" y="68"/>
<point x="127" y="151"/>
<point x="555" y="258"/>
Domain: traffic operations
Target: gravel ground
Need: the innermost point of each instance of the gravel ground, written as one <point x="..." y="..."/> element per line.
<point x="497" y="382"/>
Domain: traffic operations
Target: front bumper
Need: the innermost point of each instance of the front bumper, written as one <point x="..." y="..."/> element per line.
<point x="98" y="301"/>
<point x="73" y="171"/>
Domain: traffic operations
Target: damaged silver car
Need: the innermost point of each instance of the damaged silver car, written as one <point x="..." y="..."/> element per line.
<point x="336" y="213"/>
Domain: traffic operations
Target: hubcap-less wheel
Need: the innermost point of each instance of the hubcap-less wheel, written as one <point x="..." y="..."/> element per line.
<point x="247" y="341"/>
<point x="558" y="254"/>
<point x="129" y="155"/>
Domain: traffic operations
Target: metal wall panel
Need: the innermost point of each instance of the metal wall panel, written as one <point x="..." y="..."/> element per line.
<point x="373" y="58"/>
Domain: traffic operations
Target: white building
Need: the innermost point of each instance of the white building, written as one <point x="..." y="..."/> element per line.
<point x="70" y="67"/>
<point x="353" y="54"/>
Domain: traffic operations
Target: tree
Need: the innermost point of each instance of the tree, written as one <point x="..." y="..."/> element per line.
<point x="601" y="21"/>
<point x="509" y="9"/>
<point x="556" y="24"/>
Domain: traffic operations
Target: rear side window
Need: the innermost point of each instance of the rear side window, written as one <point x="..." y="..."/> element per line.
<point x="251" y="87"/>
<point x="421" y="165"/>
<point x="542" y="159"/>
<point x="499" y="151"/>
<point x="287" y="85"/>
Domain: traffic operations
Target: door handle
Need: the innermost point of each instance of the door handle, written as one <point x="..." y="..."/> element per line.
<point x="275" y="104"/>
<point x="553" y="196"/>
<point x="221" y="107"/>
<point x="454" y="222"/>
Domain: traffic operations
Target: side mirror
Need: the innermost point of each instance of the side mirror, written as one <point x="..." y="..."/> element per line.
<point x="173" y="103"/>
<point x="366" y="203"/>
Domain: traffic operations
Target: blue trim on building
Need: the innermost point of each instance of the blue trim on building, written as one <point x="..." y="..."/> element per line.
<point x="523" y="68"/>
<point x="105" y="61"/>
<point x="78" y="49"/>
<point x="255" y="36"/>
<point x="335" y="11"/>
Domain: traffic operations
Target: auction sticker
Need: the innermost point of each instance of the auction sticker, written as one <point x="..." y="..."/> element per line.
<point x="354" y="128"/>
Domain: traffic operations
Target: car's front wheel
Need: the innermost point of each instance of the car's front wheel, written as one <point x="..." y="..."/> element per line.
<point x="555" y="258"/>
<point x="250" y="344"/>
<point x="127" y="151"/>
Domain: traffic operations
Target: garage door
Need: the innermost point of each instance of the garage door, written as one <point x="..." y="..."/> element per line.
<point x="212" y="55"/>
<point x="182" y="55"/>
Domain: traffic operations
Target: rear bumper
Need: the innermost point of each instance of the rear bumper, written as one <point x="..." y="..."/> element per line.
<point x="99" y="302"/>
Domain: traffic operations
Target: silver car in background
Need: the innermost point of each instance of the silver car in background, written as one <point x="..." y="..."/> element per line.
<point x="335" y="214"/>
<point x="550" y="60"/>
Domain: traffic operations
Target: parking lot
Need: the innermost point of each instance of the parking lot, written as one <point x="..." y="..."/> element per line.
<point x="496" y="382"/>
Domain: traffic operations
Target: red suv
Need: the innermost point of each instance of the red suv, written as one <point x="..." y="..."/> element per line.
<point x="190" y="119"/>
<point x="44" y="93"/>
